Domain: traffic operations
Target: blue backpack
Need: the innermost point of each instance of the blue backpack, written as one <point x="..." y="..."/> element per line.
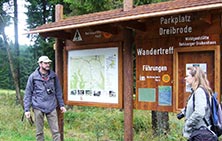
<point x="216" y="113"/>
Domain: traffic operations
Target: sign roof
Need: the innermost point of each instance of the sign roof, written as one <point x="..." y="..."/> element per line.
<point x="137" y="13"/>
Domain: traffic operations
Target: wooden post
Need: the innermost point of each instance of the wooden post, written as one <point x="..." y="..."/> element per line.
<point x="59" y="71"/>
<point x="128" y="84"/>
<point x="127" y="5"/>
<point x="58" y="12"/>
<point x="59" y="66"/>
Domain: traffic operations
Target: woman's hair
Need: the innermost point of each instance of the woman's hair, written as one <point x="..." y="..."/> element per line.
<point x="200" y="79"/>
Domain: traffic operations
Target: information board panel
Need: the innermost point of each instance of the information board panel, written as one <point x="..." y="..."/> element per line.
<point x="208" y="58"/>
<point x="155" y="52"/>
<point x="94" y="77"/>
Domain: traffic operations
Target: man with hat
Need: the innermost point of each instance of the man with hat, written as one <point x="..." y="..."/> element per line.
<point x="43" y="93"/>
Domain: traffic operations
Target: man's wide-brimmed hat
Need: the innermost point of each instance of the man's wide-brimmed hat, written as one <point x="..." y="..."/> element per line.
<point x="44" y="59"/>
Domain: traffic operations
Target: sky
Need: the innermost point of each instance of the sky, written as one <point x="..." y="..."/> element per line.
<point x="22" y="27"/>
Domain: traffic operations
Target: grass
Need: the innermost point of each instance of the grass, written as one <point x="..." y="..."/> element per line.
<point x="83" y="124"/>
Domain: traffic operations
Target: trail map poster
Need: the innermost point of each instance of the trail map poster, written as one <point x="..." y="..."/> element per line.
<point x="93" y="75"/>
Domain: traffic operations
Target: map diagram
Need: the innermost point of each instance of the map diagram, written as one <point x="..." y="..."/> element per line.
<point x="93" y="75"/>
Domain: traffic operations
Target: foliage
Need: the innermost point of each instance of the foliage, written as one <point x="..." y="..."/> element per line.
<point x="40" y="12"/>
<point x="83" y="124"/>
<point x="5" y="73"/>
<point x="142" y="2"/>
<point x="28" y="64"/>
<point x="5" y="6"/>
<point x="26" y="60"/>
<point x="80" y="7"/>
<point x="5" y="11"/>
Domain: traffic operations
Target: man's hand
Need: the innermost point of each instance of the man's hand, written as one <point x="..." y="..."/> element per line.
<point x="63" y="109"/>
<point x="27" y="114"/>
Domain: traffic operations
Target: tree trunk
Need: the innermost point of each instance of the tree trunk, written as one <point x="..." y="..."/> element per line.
<point x="16" y="46"/>
<point x="160" y="122"/>
<point x="15" y="78"/>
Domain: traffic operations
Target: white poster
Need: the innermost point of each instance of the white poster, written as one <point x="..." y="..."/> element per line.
<point x="93" y="75"/>
<point x="203" y="66"/>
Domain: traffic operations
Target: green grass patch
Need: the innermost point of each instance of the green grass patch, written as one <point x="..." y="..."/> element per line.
<point x="83" y="124"/>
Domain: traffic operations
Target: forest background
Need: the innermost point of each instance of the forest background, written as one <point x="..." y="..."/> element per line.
<point x="18" y="61"/>
<point x="40" y="12"/>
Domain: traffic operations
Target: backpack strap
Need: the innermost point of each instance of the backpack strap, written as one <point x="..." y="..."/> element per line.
<point x="54" y="79"/>
<point x="208" y="103"/>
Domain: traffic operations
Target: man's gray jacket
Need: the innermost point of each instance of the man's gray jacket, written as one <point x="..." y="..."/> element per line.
<point x="41" y="94"/>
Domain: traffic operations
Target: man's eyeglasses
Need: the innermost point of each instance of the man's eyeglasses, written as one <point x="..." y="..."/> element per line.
<point x="46" y="63"/>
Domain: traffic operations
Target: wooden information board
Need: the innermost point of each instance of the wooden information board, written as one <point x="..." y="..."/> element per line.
<point x="93" y="71"/>
<point x="161" y="63"/>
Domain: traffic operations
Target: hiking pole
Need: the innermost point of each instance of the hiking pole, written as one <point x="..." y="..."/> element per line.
<point x="31" y="122"/>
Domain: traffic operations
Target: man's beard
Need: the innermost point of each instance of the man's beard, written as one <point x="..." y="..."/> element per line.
<point x="46" y="68"/>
